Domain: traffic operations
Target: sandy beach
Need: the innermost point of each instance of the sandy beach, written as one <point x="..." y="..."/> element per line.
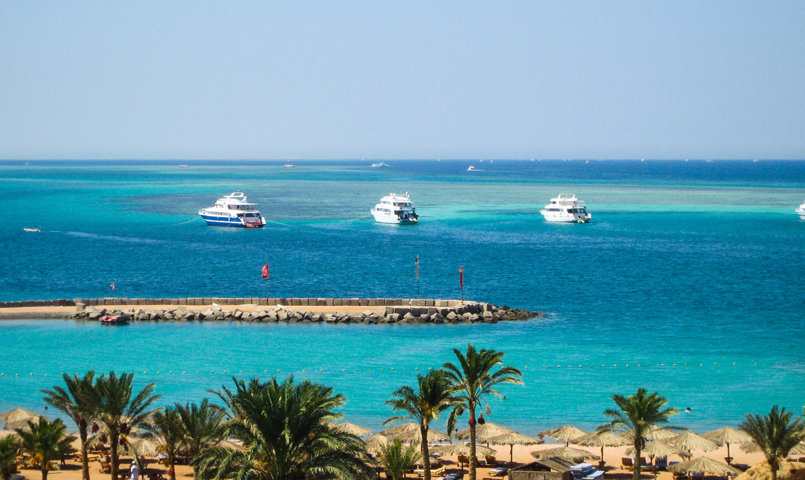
<point x="522" y="455"/>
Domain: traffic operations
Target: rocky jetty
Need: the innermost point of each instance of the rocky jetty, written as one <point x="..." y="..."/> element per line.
<point x="466" y="313"/>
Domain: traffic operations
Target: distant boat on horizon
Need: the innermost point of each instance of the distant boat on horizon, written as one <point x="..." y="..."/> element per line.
<point x="289" y="166"/>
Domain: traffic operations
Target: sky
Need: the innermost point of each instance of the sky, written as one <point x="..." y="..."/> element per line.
<point x="402" y="79"/>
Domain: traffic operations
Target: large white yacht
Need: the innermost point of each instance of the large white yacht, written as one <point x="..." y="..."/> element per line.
<point x="565" y="209"/>
<point x="233" y="211"/>
<point x="801" y="211"/>
<point x="395" y="208"/>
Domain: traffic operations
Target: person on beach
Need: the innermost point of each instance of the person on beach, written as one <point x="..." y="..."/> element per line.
<point x="135" y="471"/>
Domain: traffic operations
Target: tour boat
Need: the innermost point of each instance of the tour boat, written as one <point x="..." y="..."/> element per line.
<point x="565" y="209"/>
<point x="395" y="208"/>
<point x="233" y="211"/>
<point x="114" y="320"/>
<point x="801" y="211"/>
<point x="35" y="229"/>
<point x="380" y="165"/>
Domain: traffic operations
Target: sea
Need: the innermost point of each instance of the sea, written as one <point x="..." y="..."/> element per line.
<point x="687" y="282"/>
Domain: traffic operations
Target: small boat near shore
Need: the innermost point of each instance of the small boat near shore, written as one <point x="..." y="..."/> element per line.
<point x="233" y="211"/>
<point x="395" y="208"/>
<point x="35" y="229"/>
<point x="801" y="211"/>
<point x="566" y="209"/>
<point x="114" y="320"/>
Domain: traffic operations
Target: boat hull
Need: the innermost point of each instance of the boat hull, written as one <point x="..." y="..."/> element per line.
<point x="554" y="218"/>
<point x="393" y="219"/>
<point x="218" y="221"/>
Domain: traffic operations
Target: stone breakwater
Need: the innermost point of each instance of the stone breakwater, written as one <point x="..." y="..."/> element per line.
<point x="292" y="310"/>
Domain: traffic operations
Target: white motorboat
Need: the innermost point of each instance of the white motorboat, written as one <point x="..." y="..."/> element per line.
<point x="233" y="211"/>
<point x="472" y="169"/>
<point x="395" y="208"/>
<point x="566" y="209"/>
<point x="380" y="165"/>
<point x="801" y="211"/>
<point x="35" y="229"/>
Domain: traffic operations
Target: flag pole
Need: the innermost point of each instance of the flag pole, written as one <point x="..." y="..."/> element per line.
<point x="417" y="276"/>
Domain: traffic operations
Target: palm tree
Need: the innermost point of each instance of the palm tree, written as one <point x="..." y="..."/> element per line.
<point x="79" y="402"/>
<point x="9" y="449"/>
<point x="168" y="425"/>
<point x="201" y="426"/>
<point x="435" y="395"/>
<point x="120" y="410"/>
<point x="397" y="459"/>
<point x="775" y="434"/>
<point x="640" y="413"/>
<point x="473" y="380"/>
<point x="45" y="441"/>
<point x="285" y="435"/>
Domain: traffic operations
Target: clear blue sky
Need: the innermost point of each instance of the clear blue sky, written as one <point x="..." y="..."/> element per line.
<point x="408" y="79"/>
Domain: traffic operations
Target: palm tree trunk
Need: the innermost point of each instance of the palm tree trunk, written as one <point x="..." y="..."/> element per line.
<point x="473" y="460"/>
<point x="113" y="439"/>
<point x="82" y="433"/>
<point x="774" y="467"/>
<point x="423" y="430"/>
<point x="172" y="469"/>
<point x="45" y="470"/>
<point x="638" y="449"/>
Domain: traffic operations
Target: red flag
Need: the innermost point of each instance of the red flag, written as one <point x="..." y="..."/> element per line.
<point x="461" y="277"/>
<point x="265" y="271"/>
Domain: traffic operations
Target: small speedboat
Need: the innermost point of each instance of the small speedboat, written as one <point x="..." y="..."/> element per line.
<point x="395" y="208"/>
<point x="801" y="211"/>
<point x="472" y="169"/>
<point x="31" y="229"/>
<point x="566" y="209"/>
<point x="233" y="211"/>
<point x="114" y="320"/>
<point x="380" y="165"/>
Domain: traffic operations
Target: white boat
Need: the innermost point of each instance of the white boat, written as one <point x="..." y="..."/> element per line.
<point x="801" y="211"/>
<point x="395" y="208"/>
<point x="233" y="211"/>
<point x="472" y="169"/>
<point x="380" y="165"/>
<point x="566" y="209"/>
<point x="35" y="229"/>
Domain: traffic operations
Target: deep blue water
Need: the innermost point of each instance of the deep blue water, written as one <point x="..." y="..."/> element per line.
<point x="698" y="263"/>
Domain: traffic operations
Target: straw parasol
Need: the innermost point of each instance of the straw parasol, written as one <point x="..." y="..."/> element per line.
<point x="405" y="427"/>
<point x="375" y="444"/>
<point x="351" y="428"/>
<point x="689" y="441"/>
<point x="147" y="447"/>
<point x="798" y="449"/>
<point x="656" y="433"/>
<point x="563" y="434"/>
<point x="511" y="439"/>
<point x="726" y="436"/>
<point x="566" y="453"/>
<point x="602" y="438"/>
<point x="483" y="432"/>
<point x="704" y="465"/>
<point x="660" y="449"/>
<point x="415" y="436"/>
<point x="18" y="418"/>
<point x="461" y="448"/>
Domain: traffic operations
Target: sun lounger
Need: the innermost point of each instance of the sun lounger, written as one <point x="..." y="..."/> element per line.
<point x="499" y="472"/>
<point x="491" y="460"/>
<point x="627" y="463"/>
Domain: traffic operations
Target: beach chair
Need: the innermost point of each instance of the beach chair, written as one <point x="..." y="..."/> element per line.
<point x="627" y="463"/>
<point x="106" y="467"/>
<point x="463" y="460"/>
<point x="491" y="461"/>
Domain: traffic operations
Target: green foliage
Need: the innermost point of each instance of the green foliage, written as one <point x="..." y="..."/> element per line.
<point x="9" y="449"/>
<point x="285" y="433"/>
<point x="397" y="459"/>
<point x="640" y="413"/>
<point x="775" y="434"/>
<point x="168" y="425"/>
<point x="473" y="379"/>
<point x="78" y="401"/>
<point x="46" y="441"/>
<point x="434" y="396"/>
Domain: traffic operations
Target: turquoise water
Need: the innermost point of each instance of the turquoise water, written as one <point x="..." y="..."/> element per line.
<point x="698" y="264"/>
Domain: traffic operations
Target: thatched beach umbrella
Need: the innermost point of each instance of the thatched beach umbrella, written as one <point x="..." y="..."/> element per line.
<point x="145" y="447"/>
<point x="656" y="448"/>
<point x="351" y="428"/>
<point x="375" y="444"/>
<point x="566" y="453"/>
<point x="405" y="427"/>
<point x="601" y="439"/>
<point x="689" y="442"/>
<point x="483" y="432"/>
<point x="656" y="433"/>
<point x="18" y="418"/>
<point x="798" y="449"/>
<point x="728" y="435"/>
<point x="513" y="438"/>
<point x="415" y="436"/>
<point x="565" y="434"/>
<point x="461" y="448"/>
<point x="704" y="465"/>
